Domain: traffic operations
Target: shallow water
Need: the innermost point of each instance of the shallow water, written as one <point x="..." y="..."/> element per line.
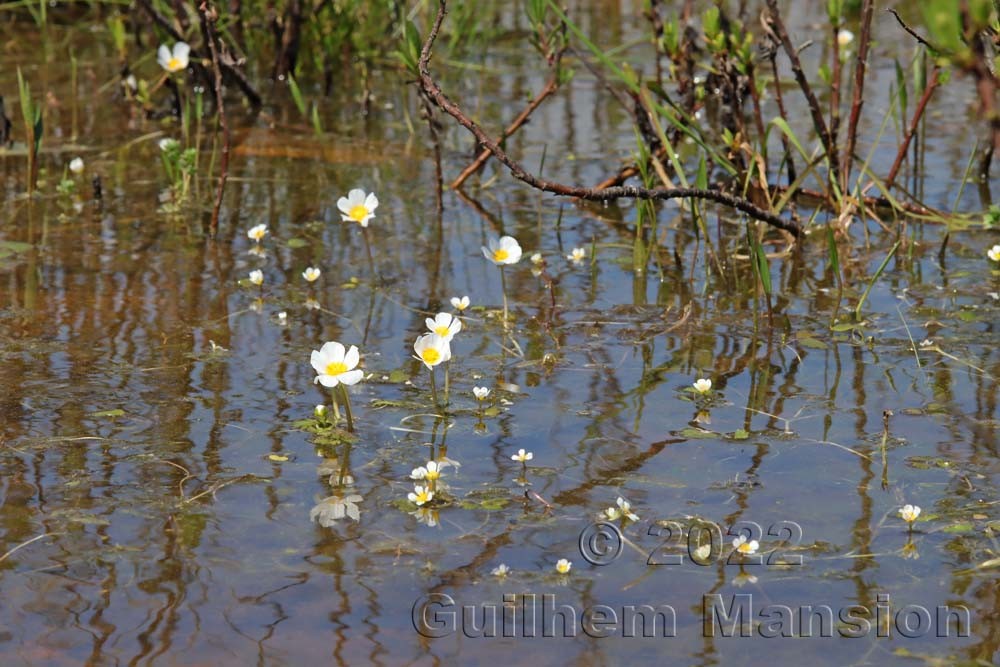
<point x="156" y="440"/>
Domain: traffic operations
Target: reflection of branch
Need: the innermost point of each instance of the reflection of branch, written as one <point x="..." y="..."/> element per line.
<point x="208" y="18"/>
<point x="434" y="92"/>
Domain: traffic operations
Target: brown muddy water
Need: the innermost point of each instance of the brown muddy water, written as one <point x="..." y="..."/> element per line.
<point x="159" y="460"/>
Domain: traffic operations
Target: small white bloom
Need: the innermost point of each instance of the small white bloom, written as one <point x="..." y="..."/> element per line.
<point x="459" y="304"/>
<point x="311" y="274"/>
<point x="76" y="165"/>
<point x="420" y="495"/>
<point x="433" y="471"/>
<point x="257" y="233"/>
<point x="909" y="513"/>
<point x="844" y="38"/>
<point x="335" y="364"/>
<point x="563" y="566"/>
<point x="312" y="304"/>
<point x="444" y="325"/>
<point x="168" y="144"/>
<point x="612" y="514"/>
<point x="480" y="393"/>
<point x="282" y="318"/>
<point x="432" y="349"/>
<point x="577" y="255"/>
<point x="504" y="250"/>
<point x="257" y="277"/>
<point x="522" y="456"/>
<point x="500" y="571"/>
<point x="994" y="253"/>
<point x="358" y="207"/>
<point x="745" y="547"/>
<point x="418" y="473"/>
<point x="703" y="385"/>
<point x="626" y="509"/>
<point x="537" y="259"/>
<point x="175" y="60"/>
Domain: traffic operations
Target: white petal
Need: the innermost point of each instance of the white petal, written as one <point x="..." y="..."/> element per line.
<point x="317" y="361"/>
<point x="344" y="205"/>
<point x="431" y="323"/>
<point x="328" y="380"/>
<point x="352" y="357"/>
<point x="371" y="201"/>
<point x="332" y="351"/>
<point x="163" y="55"/>
<point x="182" y="51"/>
<point x="351" y="377"/>
<point x="356" y="197"/>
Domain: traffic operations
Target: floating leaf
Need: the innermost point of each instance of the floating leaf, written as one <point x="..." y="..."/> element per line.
<point x="117" y="412"/>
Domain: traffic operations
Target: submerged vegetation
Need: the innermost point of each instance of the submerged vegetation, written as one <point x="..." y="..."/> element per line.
<point x="684" y="314"/>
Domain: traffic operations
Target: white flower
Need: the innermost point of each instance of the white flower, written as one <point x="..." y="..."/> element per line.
<point x="444" y="325"/>
<point x="537" y="259"/>
<point x="176" y="60"/>
<point x="420" y="495"/>
<point x="336" y="365"/>
<point x="257" y="277"/>
<point x="282" y="318"/>
<point x="626" y="509"/>
<point x="522" y="456"/>
<point x="702" y="386"/>
<point x="311" y="274"/>
<point x="167" y="144"/>
<point x="577" y="255"/>
<point x="357" y="207"/>
<point x="747" y="548"/>
<point x="432" y="349"/>
<point x="994" y="253"/>
<point x="418" y="473"/>
<point x="329" y="510"/>
<point x="504" y="250"/>
<point x="845" y="37"/>
<point x="432" y="471"/>
<point x="612" y="513"/>
<point x="312" y="304"/>
<point x="480" y="393"/>
<point x="500" y="571"/>
<point x="76" y="165"/>
<point x="909" y="513"/>
<point x="257" y="233"/>
<point x="459" y="304"/>
<point x="563" y="566"/>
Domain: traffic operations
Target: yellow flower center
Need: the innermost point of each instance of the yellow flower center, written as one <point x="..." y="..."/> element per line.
<point x="430" y="356"/>
<point x="432" y="475"/>
<point x="358" y="213"/>
<point x="500" y="255"/>
<point x="442" y="331"/>
<point x="336" y="368"/>
<point x="744" y="548"/>
<point x="174" y="64"/>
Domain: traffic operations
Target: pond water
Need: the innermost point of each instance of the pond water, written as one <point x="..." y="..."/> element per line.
<point x="159" y="459"/>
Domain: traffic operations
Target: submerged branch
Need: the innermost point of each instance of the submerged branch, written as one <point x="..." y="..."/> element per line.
<point x="434" y="92"/>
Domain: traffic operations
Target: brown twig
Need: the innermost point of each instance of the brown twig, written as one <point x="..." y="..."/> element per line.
<point x="776" y="25"/>
<point x="913" y="33"/>
<point x="858" y="98"/>
<point x="912" y="130"/>
<point x="208" y="17"/>
<point x="434" y="92"/>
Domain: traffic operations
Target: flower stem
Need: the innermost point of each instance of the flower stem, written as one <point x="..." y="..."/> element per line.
<point x="336" y="408"/>
<point x="371" y="258"/>
<point x="347" y="409"/>
<point x="434" y="389"/>
<point x="503" y="290"/>
<point x="447" y="381"/>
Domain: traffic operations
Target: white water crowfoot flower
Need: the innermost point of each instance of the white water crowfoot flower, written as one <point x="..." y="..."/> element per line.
<point x="432" y="349"/>
<point x="168" y="144"/>
<point x="537" y="259"/>
<point x="329" y="510"/>
<point x="500" y="571"/>
<point x="430" y="472"/>
<point x="994" y="253"/>
<point x="335" y="364"/>
<point x="844" y="38"/>
<point x="480" y="393"/>
<point x="311" y="274"/>
<point x="577" y="255"/>
<point x="504" y="250"/>
<point x="76" y="165"/>
<point x="702" y="385"/>
<point x="173" y="60"/>
<point x="421" y="495"/>
<point x="256" y="277"/>
<point x="522" y="456"/>
<point x="444" y="325"/>
<point x="459" y="304"/>
<point x="909" y="513"/>
<point x="625" y="507"/>
<point x="257" y="233"/>
<point x="746" y="547"/>
<point x="564" y="566"/>
<point x="358" y="207"/>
